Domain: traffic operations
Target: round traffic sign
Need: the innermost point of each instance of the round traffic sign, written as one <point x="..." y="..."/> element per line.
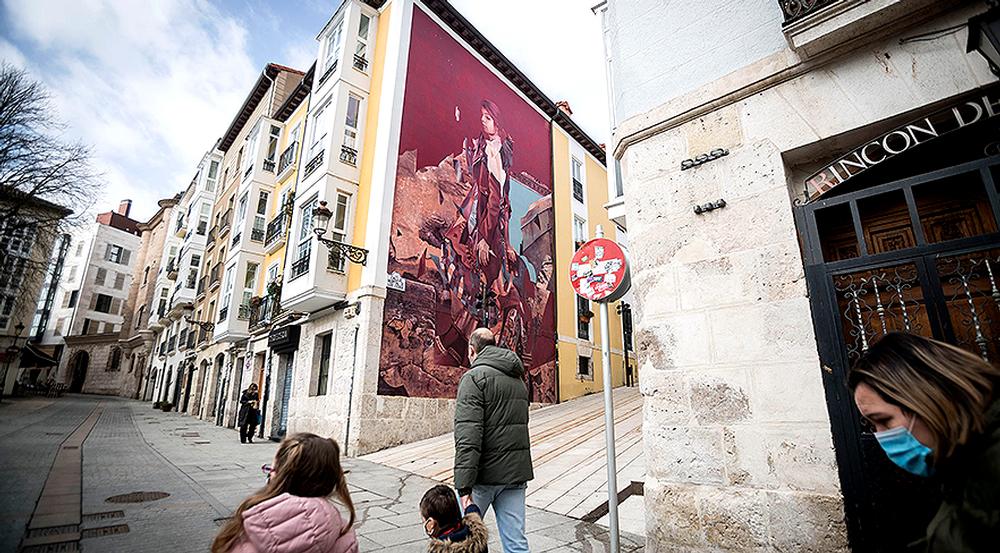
<point x="600" y="271"/>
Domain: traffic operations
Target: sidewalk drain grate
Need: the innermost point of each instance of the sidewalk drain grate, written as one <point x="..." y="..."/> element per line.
<point x="137" y="497"/>
<point x="107" y="515"/>
<point x="105" y="531"/>
<point x="71" y="447"/>
<point x="202" y="442"/>
<point x="52" y="531"/>
<point x="61" y="547"/>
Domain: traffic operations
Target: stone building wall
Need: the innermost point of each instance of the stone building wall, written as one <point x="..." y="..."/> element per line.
<point x="736" y="428"/>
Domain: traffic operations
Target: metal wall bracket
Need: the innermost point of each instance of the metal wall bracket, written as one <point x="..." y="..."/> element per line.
<point x="704" y="158"/>
<point x="711" y="206"/>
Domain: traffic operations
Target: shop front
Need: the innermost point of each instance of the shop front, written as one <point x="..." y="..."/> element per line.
<point x="908" y="244"/>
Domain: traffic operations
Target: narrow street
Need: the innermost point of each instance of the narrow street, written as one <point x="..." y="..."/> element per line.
<point x="176" y="478"/>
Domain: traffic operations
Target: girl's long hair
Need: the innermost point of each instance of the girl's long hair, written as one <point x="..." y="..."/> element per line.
<point x="306" y="465"/>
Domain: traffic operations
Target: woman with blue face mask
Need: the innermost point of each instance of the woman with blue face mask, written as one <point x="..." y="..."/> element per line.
<point x="936" y="414"/>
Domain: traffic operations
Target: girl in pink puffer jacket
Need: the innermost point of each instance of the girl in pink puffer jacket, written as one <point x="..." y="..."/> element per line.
<point x="293" y="513"/>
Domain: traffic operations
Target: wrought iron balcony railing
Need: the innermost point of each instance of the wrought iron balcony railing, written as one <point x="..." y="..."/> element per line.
<point x="275" y="230"/>
<point x="269" y="165"/>
<point x="326" y="74"/>
<point x="191" y="279"/>
<point x="287" y="158"/>
<point x="314" y="163"/>
<point x="210" y="240"/>
<point x="215" y="274"/>
<point x="360" y="63"/>
<point x="236" y="238"/>
<point x="264" y="309"/>
<point x="300" y="267"/>
<point x="349" y="155"/>
<point x="201" y="285"/>
<point x="257" y="234"/>
<point x="244" y="312"/>
<point x="578" y="190"/>
<point x="795" y="10"/>
<point x="225" y="220"/>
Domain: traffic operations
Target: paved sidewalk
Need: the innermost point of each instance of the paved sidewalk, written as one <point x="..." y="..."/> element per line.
<point x="207" y="472"/>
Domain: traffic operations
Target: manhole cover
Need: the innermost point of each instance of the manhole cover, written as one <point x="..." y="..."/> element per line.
<point x="105" y="531"/>
<point x="137" y="497"/>
<point x="108" y="515"/>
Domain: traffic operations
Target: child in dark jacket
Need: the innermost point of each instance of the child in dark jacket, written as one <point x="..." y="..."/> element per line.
<point x="449" y="531"/>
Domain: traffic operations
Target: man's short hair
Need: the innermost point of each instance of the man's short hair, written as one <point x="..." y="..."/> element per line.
<point x="480" y="338"/>
<point x="441" y="504"/>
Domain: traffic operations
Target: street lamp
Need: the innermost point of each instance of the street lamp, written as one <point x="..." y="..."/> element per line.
<point x="984" y="36"/>
<point x="204" y="325"/>
<point x="9" y="354"/>
<point x="338" y="250"/>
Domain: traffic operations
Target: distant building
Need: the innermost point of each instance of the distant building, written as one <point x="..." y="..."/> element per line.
<point x="29" y="231"/>
<point x="89" y="305"/>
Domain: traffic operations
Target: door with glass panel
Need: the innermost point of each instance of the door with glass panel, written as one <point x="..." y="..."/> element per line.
<point x="920" y="255"/>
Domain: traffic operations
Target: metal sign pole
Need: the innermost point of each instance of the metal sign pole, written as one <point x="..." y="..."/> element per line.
<point x="609" y="422"/>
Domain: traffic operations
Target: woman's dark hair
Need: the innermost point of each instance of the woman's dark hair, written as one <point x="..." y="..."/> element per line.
<point x="306" y="465"/>
<point x="441" y="504"/>
<point x="949" y="388"/>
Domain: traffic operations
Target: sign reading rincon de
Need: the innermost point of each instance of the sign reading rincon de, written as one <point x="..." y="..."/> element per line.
<point x="909" y="136"/>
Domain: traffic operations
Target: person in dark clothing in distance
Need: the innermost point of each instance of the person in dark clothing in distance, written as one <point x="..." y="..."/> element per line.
<point x="492" y="446"/>
<point x="247" y="415"/>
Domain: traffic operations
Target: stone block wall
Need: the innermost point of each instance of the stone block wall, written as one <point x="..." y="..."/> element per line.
<point x="736" y="432"/>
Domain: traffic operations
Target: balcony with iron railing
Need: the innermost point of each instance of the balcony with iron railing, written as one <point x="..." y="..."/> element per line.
<point x="326" y="74"/>
<point x="313" y="164"/>
<point x="349" y="155"/>
<point x="275" y="231"/>
<point x="201" y="285"/>
<point x="202" y="335"/>
<point x="171" y="269"/>
<point x="214" y="276"/>
<point x="360" y="63"/>
<point x="225" y="221"/>
<point x="210" y="240"/>
<point x="265" y="308"/>
<point x="287" y="158"/>
<point x="256" y="234"/>
<point x="300" y="266"/>
<point x="268" y="165"/>
<point x="243" y="313"/>
<point x="794" y="10"/>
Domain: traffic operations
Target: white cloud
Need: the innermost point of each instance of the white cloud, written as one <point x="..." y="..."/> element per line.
<point x="150" y="85"/>
<point x="10" y="54"/>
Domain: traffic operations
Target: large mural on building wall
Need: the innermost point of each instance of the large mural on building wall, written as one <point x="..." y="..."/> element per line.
<point x="471" y="242"/>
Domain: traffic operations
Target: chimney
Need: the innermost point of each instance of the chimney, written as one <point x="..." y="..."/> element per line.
<point x="125" y="207"/>
<point x="563" y="106"/>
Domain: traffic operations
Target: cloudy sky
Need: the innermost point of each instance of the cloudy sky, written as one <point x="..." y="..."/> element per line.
<point x="151" y="85"/>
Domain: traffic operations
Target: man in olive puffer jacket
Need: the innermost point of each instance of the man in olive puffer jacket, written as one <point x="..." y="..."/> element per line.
<point x="492" y="449"/>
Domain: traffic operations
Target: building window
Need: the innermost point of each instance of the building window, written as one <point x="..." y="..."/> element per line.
<point x="89" y="327"/>
<point x="138" y="317"/>
<point x="79" y="249"/>
<point x="204" y="217"/>
<point x="272" y="273"/>
<point x="333" y="45"/>
<point x="117" y="254"/>
<point x="323" y="370"/>
<point x="72" y="274"/>
<point x="583" y="316"/>
<point x="305" y="227"/>
<point x="272" y="146"/>
<point x="115" y="361"/>
<point x="579" y="232"/>
<point x="60" y="325"/>
<point x="7" y="302"/>
<point x="213" y="173"/>
<point x="584" y="367"/>
<point x="73" y="297"/>
<point x="241" y="211"/>
<point x="577" y="171"/>
<point x="119" y="281"/>
<point x="249" y="283"/>
<point x="339" y="228"/>
<point x="351" y="122"/>
<point x="145" y="275"/>
<point x="228" y="290"/>
<point x="260" y="218"/>
<point x="250" y="150"/>
<point x="101" y="276"/>
<point x="102" y="303"/>
<point x="320" y="126"/>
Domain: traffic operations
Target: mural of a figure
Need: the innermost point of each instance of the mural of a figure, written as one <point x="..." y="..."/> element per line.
<point x="472" y="225"/>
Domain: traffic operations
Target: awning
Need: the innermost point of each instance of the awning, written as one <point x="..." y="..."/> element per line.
<point x="32" y="356"/>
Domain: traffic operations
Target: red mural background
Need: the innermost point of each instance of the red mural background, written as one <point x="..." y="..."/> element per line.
<point x="472" y="224"/>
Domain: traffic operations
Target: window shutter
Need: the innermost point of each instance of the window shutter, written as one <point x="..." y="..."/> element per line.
<point x="102" y="275"/>
<point x="93" y="302"/>
<point x="125" y="256"/>
<point x="119" y="281"/>
<point x="116" y="305"/>
<point x="107" y="252"/>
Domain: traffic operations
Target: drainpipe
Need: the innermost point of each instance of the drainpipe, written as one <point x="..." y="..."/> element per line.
<point x="350" y="393"/>
<point x="267" y="395"/>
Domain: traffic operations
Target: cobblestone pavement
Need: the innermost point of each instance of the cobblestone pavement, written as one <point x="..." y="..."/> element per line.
<point x="207" y="472"/>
